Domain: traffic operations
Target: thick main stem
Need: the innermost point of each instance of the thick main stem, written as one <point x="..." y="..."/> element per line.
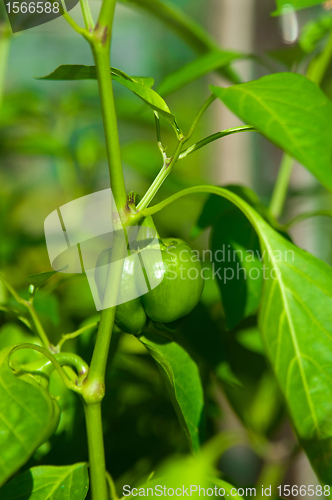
<point x="102" y="62"/>
<point x="99" y="490"/>
<point x="94" y="385"/>
<point x="104" y="335"/>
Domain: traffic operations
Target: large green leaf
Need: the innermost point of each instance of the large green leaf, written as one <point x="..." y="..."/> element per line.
<point x="82" y="72"/>
<point x="292" y="112"/>
<point x="211" y="61"/>
<point x="28" y="417"/>
<point x="185" y="27"/>
<point x="296" y="324"/>
<point x="296" y="4"/>
<point x="49" y="483"/>
<point x="138" y="85"/>
<point x="183" y="383"/>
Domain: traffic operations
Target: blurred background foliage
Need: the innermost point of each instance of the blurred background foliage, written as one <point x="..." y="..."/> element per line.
<point x="52" y="151"/>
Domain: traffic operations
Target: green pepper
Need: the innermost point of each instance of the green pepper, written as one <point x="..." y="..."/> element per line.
<point x="176" y="295"/>
<point x="182" y="286"/>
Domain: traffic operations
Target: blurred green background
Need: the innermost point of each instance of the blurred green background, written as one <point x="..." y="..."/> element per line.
<point x="52" y="151"/>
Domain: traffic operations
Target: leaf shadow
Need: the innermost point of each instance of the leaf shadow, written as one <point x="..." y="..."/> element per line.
<point x="20" y="486"/>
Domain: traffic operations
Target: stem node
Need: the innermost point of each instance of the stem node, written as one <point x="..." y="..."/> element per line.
<point x="93" y="391"/>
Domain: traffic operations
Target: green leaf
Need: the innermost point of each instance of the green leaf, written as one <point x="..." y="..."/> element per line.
<point x="250" y="339"/>
<point x="28" y="417"/>
<point x="81" y="72"/>
<point x="296" y="324"/>
<point x="288" y="57"/>
<point x="313" y="32"/>
<point x="225" y="373"/>
<point x="39" y="279"/>
<point x="295" y="320"/>
<point x="296" y="4"/>
<point x="292" y="112"/>
<point x="185" y="27"/>
<point x="211" y="61"/>
<point x="183" y="383"/>
<point x="49" y="483"/>
<point x="138" y="85"/>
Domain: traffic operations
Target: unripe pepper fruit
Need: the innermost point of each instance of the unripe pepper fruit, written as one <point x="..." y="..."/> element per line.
<point x="182" y="286"/>
<point x="175" y="297"/>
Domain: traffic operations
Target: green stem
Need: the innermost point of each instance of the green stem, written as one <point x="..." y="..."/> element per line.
<point x="28" y="305"/>
<point x="305" y="216"/>
<point x="4" y="53"/>
<point x="94" y="384"/>
<point x="225" y="193"/>
<point x="111" y="487"/>
<point x="100" y="353"/>
<point x="11" y="290"/>
<point x="65" y="359"/>
<point x="39" y="327"/>
<point x="281" y="187"/>
<point x="214" y="137"/>
<point x="69" y="383"/>
<point x="167" y="167"/>
<point x="73" y="23"/>
<point x="101" y="350"/>
<point x="73" y="335"/>
<point x="170" y="162"/>
<point x="160" y="179"/>
<point x="102" y="62"/>
<point x="99" y="489"/>
<point x="87" y="16"/>
<point x="319" y="65"/>
<point x="93" y="388"/>
<point x="199" y="115"/>
<point x="106" y="15"/>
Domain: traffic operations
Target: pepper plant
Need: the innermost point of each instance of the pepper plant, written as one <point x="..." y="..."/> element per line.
<point x="281" y="291"/>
